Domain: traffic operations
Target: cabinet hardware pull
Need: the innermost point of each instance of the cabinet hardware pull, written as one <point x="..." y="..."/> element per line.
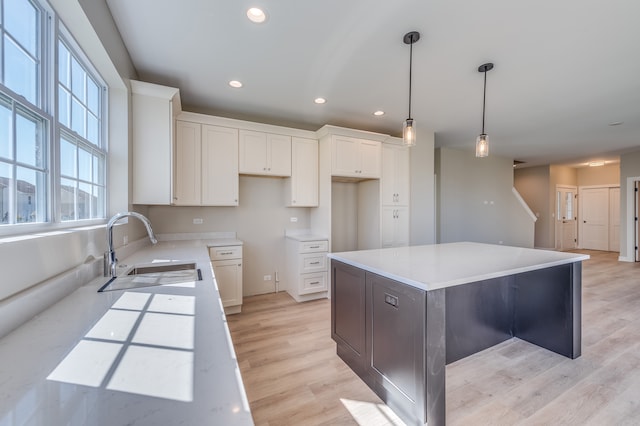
<point x="226" y="252"/>
<point x="314" y="263"/>
<point x="314" y="246"/>
<point x="314" y="283"/>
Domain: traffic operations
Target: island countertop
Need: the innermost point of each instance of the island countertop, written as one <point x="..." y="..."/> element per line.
<point x="146" y="356"/>
<point x="432" y="267"/>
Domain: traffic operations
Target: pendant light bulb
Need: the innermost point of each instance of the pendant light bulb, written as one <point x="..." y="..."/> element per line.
<point x="482" y="141"/>
<point x="408" y="133"/>
<point x="482" y="145"/>
<point x="408" y="129"/>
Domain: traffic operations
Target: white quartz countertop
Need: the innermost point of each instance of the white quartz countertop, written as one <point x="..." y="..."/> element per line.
<point x="150" y="356"/>
<point x="223" y="242"/>
<point x="432" y="267"/>
<point x="306" y="237"/>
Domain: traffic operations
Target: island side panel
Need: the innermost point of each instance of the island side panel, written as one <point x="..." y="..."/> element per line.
<point x="435" y="357"/>
<point x="348" y="315"/>
<point x="548" y="308"/>
<point x="478" y="315"/>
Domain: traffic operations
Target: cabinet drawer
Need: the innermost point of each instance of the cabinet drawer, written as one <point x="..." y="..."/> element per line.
<point x="225" y="252"/>
<point x="316" y="262"/>
<point x="314" y="246"/>
<point x="313" y="283"/>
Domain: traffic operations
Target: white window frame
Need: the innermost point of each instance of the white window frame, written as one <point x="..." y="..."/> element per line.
<point x="51" y="31"/>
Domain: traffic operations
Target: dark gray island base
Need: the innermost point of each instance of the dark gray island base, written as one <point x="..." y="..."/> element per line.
<point x="398" y="337"/>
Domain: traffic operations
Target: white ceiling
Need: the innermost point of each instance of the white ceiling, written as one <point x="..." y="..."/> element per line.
<point x="563" y="69"/>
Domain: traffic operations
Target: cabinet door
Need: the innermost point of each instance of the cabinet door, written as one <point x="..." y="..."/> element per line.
<point x="279" y="155"/>
<point x="188" y="164"/>
<point x="228" y="274"/>
<point x="388" y="192"/>
<point x="402" y="176"/>
<point x="219" y="166"/>
<point x="345" y="156"/>
<point x="395" y="226"/>
<point x="253" y="152"/>
<point x="302" y="187"/>
<point x="370" y="154"/>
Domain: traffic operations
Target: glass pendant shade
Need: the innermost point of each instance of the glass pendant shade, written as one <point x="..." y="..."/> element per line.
<point x="482" y="145"/>
<point x="408" y="133"/>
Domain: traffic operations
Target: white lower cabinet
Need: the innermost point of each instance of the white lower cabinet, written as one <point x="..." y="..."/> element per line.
<point x="307" y="266"/>
<point x="395" y="226"/>
<point x="227" y="268"/>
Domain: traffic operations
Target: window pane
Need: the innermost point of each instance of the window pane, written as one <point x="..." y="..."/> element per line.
<point x="67" y="199"/>
<point x="84" y="165"/>
<point x="84" y="201"/>
<point x="68" y="160"/>
<point x="77" y="80"/>
<point x="64" y="105"/>
<point x="99" y="202"/>
<point x="30" y="149"/>
<point x="77" y="117"/>
<point x="92" y="129"/>
<point x="6" y="146"/>
<point x="20" y="71"/>
<point x="21" y="21"/>
<point x="6" y="185"/>
<point x="64" y="75"/>
<point x="98" y="170"/>
<point x="93" y="96"/>
<point x="29" y="195"/>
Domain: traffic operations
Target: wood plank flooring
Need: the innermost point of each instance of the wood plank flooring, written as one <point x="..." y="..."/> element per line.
<point x="293" y="376"/>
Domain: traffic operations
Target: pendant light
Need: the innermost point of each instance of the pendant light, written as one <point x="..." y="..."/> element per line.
<point x="482" y="142"/>
<point x="408" y="129"/>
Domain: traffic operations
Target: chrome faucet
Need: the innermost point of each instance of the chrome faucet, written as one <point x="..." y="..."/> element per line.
<point x="110" y="260"/>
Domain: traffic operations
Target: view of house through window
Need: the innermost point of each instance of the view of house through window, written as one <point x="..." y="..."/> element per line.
<point x="53" y="156"/>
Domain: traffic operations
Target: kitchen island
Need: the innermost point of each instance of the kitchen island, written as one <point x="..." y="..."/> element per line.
<point x="158" y="355"/>
<point x="399" y="315"/>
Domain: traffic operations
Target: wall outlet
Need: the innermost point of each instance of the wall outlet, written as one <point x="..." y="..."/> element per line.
<point x="267" y="277"/>
<point x="197" y="221"/>
<point x="293" y="219"/>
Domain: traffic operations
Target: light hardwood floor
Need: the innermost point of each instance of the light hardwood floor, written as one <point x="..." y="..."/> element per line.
<point x="294" y="377"/>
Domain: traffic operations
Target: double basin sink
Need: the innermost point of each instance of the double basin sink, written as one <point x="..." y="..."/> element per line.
<point x="153" y="274"/>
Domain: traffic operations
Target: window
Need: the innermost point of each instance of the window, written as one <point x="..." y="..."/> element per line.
<point x="53" y="156"/>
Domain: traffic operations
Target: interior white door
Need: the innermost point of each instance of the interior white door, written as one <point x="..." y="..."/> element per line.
<point x="566" y="217"/>
<point x="614" y="219"/>
<point x="594" y="218"/>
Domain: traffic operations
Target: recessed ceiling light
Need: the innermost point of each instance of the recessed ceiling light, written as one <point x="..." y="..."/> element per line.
<point x="235" y="83"/>
<point x="320" y="100"/>
<point x="596" y="163"/>
<point x="616" y="123"/>
<point x="256" y="15"/>
<point x="378" y="113"/>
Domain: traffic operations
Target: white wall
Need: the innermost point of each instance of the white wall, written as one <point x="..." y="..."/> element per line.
<point x="476" y="201"/>
<point x="629" y="172"/>
<point x="423" y="211"/>
<point x="531" y="183"/>
<point x="259" y="221"/>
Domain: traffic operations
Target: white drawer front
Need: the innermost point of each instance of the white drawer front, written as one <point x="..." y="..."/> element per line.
<point x="313" y="283"/>
<point x="314" y="246"/>
<point x="225" y="252"/>
<point x="313" y="262"/>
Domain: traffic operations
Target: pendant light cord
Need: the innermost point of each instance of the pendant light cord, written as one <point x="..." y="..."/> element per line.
<point x="410" y="68"/>
<point x="484" y="98"/>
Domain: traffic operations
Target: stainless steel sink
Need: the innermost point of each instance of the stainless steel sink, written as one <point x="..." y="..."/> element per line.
<point x="154" y="274"/>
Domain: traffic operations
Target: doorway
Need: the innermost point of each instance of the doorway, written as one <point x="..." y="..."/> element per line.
<point x="566" y="217"/>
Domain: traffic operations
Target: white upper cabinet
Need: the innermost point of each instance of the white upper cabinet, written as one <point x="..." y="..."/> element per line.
<point x="188" y="182"/>
<point x="154" y="109"/>
<point x="302" y="187"/>
<point x="264" y="153"/>
<point x="206" y="165"/>
<point x="353" y="157"/>
<point x="220" y="180"/>
<point x="394" y="184"/>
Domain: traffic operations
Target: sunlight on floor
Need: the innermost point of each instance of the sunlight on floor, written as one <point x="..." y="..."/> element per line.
<point x="371" y="414"/>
